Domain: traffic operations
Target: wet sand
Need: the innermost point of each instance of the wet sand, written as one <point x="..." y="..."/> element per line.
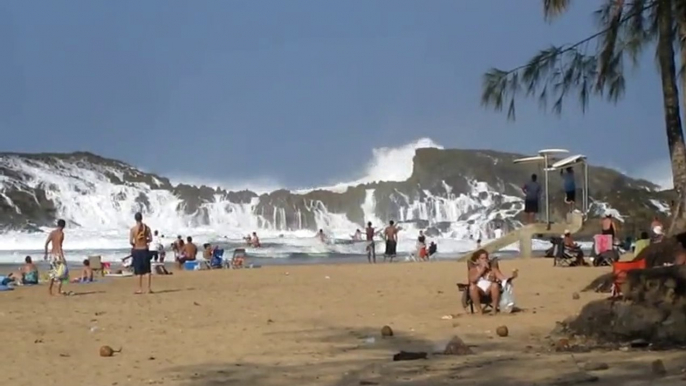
<point x="305" y="325"/>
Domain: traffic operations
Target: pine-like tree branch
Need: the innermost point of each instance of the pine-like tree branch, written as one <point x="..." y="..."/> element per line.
<point x="554" y="72"/>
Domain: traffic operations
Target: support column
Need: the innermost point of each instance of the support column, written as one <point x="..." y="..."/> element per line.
<point x="525" y="245"/>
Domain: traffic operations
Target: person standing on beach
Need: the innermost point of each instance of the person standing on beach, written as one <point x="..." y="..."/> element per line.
<point x="58" y="264"/>
<point x="371" y="248"/>
<point x="140" y="238"/>
<point x="532" y="194"/>
<point x="570" y="187"/>
<point x="391" y="236"/>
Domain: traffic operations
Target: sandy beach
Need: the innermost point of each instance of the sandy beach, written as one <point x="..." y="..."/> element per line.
<point x="306" y="325"/>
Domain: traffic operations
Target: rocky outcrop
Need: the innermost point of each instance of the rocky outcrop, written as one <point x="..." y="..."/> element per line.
<point x="446" y="186"/>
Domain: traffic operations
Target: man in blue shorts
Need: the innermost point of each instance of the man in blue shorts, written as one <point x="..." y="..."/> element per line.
<point x="140" y="238"/>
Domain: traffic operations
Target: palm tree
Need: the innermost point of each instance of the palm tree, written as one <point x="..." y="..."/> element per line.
<point x="625" y="29"/>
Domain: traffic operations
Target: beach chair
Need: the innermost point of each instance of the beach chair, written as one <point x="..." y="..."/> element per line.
<point x="238" y="259"/>
<point x="217" y="259"/>
<point x="466" y="300"/>
<point x="619" y="272"/>
<point x="567" y="256"/>
<point x="96" y="265"/>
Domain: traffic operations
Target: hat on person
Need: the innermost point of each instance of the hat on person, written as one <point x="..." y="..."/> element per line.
<point x="657" y="230"/>
<point x="567" y="231"/>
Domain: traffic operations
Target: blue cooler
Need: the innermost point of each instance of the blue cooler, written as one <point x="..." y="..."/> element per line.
<point x="191" y="266"/>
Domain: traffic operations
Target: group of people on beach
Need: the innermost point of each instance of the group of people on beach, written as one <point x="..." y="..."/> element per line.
<point x="390" y="236"/>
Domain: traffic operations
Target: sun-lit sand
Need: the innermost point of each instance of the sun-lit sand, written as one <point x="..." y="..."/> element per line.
<point x="304" y="325"/>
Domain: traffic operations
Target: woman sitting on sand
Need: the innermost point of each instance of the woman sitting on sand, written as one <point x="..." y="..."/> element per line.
<point x="27" y="275"/>
<point x="484" y="280"/>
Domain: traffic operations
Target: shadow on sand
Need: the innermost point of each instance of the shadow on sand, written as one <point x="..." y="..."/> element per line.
<point x="348" y="357"/>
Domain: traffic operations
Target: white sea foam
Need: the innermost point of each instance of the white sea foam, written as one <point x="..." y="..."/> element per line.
<point x="99" y="212"/>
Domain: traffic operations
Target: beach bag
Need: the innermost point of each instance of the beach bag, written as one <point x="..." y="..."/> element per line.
<point x="507" y="300"/>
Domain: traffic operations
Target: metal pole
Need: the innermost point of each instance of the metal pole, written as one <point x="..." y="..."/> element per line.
<point x="585" y="193"/>
<point x="547" y="199"/>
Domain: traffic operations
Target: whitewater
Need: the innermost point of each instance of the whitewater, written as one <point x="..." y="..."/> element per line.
<point x="98" y="223"/>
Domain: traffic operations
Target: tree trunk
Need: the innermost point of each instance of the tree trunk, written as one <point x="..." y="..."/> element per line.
<point x="670" y="95"/>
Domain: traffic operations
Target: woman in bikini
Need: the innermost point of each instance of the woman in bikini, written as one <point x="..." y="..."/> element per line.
<point x="484" y="280"/>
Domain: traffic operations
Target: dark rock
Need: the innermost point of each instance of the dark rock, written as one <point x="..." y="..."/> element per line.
<point x="386" y="331"/>
<point x="410" y="356"/>
<point x="653" y="310"/>
<point x="502" y="331"/>
<point x="437" y="175"/>
<point x="457" y="347"/>
<point x="658" y="368"/>
<point x="574" y="379"/>
<point x="595" y="366"/>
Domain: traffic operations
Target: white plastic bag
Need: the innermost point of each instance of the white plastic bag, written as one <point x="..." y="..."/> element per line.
<point x="507" y="300"/>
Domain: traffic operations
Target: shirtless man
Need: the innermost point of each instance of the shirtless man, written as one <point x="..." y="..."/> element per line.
<point x="371" y="248"/>
<point x="255" y="241"/>
<point x="140" y="238"/>
<point x="391" y="236"/>
<point x="58" y="265"/>
<point x="190" y="250"/>
<point x="321" y="235"/>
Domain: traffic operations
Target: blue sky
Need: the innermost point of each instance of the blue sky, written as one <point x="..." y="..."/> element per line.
<point x="296" y="91"/>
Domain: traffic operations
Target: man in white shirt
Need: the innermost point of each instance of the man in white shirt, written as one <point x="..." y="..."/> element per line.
<point x="157" y="247"/>
<point x="497" y="232"/>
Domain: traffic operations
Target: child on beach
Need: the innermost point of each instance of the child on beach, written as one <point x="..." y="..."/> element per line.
<point x="86" y="273"/>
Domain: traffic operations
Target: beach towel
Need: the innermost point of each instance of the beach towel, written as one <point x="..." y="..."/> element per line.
<point x="602" y="243"/>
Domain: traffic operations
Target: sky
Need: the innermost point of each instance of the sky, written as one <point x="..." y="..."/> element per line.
<point x="296" y="93"/>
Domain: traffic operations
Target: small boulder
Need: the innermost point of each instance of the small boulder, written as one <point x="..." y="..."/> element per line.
<point x="658" y="368"/>
<point x="457" y="346"/>
<point x="106" y="351"/>
<point x="502" y="331"/>
<point x="386" y="331"/>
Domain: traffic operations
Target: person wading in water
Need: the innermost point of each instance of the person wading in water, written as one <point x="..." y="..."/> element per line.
<point x="140" y="238"/>
<point x="371" y="248"/>
<point x="391" y="236"/>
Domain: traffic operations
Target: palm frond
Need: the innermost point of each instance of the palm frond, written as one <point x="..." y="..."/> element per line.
<point x="627" y="27"/>
<point x="554" y="8"/>
<point x="611" y="17"/>
<point x="552" y="75"/>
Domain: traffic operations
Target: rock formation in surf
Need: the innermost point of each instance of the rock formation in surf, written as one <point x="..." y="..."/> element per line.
<point x="472" y="187"/>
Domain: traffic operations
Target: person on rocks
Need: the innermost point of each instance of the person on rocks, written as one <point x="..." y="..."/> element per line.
<point x="391" y="236"/>
<point x="484" y="278"/>
<point x="140" y="237"/>
<point x="532" y="195"/>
